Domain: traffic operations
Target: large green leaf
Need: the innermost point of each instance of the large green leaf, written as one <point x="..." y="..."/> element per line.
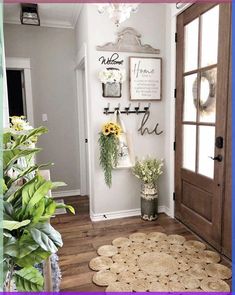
<point x="22" y="139"/>
<point x="62" y="205"/>
<point x="28" y="279"/>
<point x="25" y="172"/>
<point x="3" y="187"/>
<point x="33" y="258"/>
<point x="15" y="191"/>
<point x="13" y="225"/>
<point x="38" y="211"/>
<point x="10" y="156"/>
<point x="46" y="237"/>
<point x="34" y="192"/>
<point x="6" y="137"/>
<point x="21" y="247"/>
<point x="50" y="207"/>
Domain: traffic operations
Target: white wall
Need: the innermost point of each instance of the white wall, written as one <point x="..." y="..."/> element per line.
<point x="52" y="55"/>
<point x="150" y="21"/>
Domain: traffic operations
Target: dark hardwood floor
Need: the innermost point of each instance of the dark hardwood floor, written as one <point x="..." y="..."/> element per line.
<point x="82" y="238"/>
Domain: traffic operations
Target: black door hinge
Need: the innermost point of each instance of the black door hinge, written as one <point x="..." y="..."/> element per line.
<point x="175" y="93"/>
<point x="173" y="196"/>
<point x="174" y="145"/>
<point x="176" y="37"/>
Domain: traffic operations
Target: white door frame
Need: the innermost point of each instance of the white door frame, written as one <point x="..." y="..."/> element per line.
<point x="83" y="121"/>
<point x="18" y="63"/>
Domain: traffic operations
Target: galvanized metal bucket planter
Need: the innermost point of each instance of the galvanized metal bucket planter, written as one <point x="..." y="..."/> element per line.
<point x="149" y="201"/>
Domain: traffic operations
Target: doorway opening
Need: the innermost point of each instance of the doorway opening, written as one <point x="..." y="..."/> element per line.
<point x="16" y="94"/>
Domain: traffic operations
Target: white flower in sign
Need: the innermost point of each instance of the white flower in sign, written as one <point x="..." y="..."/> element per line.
<point x="112" y="76"/>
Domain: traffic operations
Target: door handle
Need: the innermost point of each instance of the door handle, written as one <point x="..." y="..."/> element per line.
<point x="218" y="158"/>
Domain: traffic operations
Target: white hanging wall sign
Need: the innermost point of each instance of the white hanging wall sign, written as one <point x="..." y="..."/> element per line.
<point x="145" y="78"/>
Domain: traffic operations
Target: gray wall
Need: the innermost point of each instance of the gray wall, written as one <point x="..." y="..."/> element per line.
<point x="52" y="52"/>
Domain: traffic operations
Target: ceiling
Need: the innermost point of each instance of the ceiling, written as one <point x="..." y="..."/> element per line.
<point x="58" y="15"/>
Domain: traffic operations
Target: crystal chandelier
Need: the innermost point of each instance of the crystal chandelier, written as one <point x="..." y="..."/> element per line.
<point x="118" y="12"/>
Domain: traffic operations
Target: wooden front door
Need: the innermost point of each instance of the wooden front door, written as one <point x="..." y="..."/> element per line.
<point x="202" y="75"/>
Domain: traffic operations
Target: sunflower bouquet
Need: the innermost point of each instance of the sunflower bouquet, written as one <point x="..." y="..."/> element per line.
<point x="109" y="142"/>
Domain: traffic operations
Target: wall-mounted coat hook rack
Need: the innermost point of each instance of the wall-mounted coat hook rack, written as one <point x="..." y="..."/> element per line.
<point x="127" y="110"/>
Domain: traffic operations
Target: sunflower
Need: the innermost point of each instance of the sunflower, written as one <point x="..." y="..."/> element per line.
<point x="105" y="129"/>
<point x="118" y="132"/>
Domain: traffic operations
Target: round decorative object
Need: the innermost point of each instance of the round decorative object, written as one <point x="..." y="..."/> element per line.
<point x="214" y="285"/>
<point x="176" y="286"/>
<point x="99" y="263"/>
<point x="118" y="287"/>
<point x="126" y="277"/>
<point x="163" y="263"/>
<point x="190" y="283"/>
<point x="107" y="250"/>
<point x="174" y="278"/>
<point x="121" y="242"/>
<point x="118" y="267"/>
<point x="192" y="244"/>
<point x="133" y="268"/>
<point x="157" y="236"/>
<point x="177" y="248"/>
<point x="119" y="258"/>
<point x="158" y="287"/>
<point x="149" y="201"/>
<point x="218" y="271"/>
<point x="104" y="278"/>
<point x="210" y="256"/>
<point x="176" y="239"/>
<point x="197" y="273"/>
<point x="137" y="237"/>
<point x="208" y="91"/>
<point x="184" y="266"/>
<point x="140" y="285"/>
<point x="157" y="263"/>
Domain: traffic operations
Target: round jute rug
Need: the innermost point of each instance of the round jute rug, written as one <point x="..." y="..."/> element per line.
<point x="158" y="262"/>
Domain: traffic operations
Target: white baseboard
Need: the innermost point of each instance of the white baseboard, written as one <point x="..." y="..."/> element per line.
<point x="123" y="213"/>
<point x="64" y="194"/>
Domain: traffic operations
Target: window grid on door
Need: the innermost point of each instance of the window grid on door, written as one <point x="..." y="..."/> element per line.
<point x="196" y="77"/>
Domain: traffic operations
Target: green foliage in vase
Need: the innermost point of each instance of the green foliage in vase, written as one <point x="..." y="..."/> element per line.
<point x="109" y="144"/>
<point x="28" y="237"/>
<point x="148" y="170"/>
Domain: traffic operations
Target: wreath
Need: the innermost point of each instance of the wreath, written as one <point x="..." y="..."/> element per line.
<point x="207" y="105"/>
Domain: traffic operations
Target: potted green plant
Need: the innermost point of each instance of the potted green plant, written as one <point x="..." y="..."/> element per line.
<point x="28" y="237"/>
<point x="109" y="143"/>
<point x="148" y="171"/>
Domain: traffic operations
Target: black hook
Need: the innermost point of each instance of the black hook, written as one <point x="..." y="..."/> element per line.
<point x="118" y="108"/>
<point x="127" y="109"/>
<point x="107" y="109"/>
<point x="147" y="108"/>
<point x="137" y="108"/>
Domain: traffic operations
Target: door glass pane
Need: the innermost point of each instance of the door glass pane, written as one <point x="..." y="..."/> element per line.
<point x="190" y="98"/>
<point x="206" y="150"/>
<point x="189" y="147"/>
<point x="210" y="31"/>
<point x="191" y="45"/>
<point x="207" y="106"/>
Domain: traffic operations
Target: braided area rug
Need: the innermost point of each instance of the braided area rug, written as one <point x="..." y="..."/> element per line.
<point x="158" y="262"/>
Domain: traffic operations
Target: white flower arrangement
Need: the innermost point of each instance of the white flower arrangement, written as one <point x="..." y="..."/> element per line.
<point x="112" y="76"/>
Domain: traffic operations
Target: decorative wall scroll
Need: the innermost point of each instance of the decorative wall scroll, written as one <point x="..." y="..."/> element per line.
<point x="145" y="78"/>
<point x="129" y="40"/>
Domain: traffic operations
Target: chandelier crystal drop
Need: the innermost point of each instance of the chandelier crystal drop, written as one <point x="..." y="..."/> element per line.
<point x="118" y="12"/>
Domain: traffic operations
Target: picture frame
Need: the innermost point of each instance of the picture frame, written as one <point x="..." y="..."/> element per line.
<point x="145" y="78"/>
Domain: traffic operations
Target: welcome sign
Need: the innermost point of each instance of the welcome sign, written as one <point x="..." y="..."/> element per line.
<point x="145" y="78"/>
